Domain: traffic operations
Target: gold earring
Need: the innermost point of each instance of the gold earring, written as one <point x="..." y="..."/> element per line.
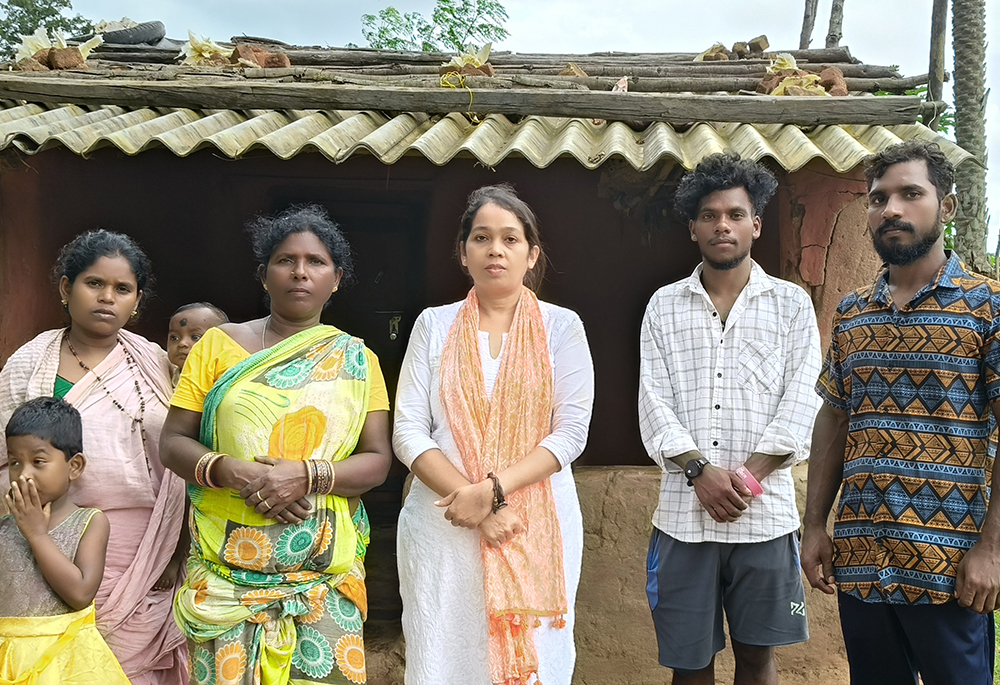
<point x="335" y="288"/>
<point x="265" y="287"/>
<point x="64" y="303"/>
<point x="135" y="312"/>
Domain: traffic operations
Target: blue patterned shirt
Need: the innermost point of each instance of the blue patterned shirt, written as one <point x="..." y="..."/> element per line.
<point x="917" y="382"/>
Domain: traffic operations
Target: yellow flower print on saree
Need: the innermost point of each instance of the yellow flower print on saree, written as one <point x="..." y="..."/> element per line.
<point x="260" y="596"/>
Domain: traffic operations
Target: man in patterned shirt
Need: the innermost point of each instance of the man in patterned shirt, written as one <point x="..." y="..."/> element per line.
<point x="910" y="382"/>
<point x="728" y="360"/>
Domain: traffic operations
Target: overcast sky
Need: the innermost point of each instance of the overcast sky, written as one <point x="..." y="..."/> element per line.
<point x="877" y="31"/>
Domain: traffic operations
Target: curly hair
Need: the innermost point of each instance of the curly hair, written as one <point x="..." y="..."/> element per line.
<point x="503" y="195"/>
<point x="267" y="233"/>
<point x="940" y="171"/>
<point x="83" y="251"/>
<point x="723" y="171"/>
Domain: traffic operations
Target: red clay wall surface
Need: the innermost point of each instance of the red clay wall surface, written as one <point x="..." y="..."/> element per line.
<point x="825" y="244"/>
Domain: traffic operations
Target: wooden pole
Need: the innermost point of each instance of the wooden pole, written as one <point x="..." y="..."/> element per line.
<point x="364" y="57"/>
<point x="935" y="69"/>
<point x="693" y="71"/>
<point x="637" y="84"/>
<point x="836" y="31"/>
<point x="808" y="23"/>
<point x="674" y="109"/>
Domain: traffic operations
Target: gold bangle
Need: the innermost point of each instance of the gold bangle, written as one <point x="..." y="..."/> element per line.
<point x="333" y="478"/>
<point x="320" y="477"/>
<point x="216" y="456"/>
<point x="202" y="468"/>
<point x="199" y="469"/>
<point x="309" y="476"/>
<point x="324" y="475"/>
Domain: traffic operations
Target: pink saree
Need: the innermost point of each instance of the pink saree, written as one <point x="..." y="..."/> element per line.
<point x="125" y="479"/>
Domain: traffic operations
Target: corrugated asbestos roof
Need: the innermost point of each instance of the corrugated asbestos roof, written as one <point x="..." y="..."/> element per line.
<point x="337" y="135"/>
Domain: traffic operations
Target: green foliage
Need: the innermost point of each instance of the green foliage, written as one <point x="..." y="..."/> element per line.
<point x="946" y="122"/>
<point x="395" y="30"/>
<point x="455" y="25"/>
<point x="467" y="23"/>
<point x="22" y="17"/>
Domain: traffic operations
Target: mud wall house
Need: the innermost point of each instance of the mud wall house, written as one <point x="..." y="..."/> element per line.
<point x="182" y="157"/>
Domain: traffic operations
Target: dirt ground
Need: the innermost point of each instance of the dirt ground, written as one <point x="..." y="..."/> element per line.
<point x="615" y="641"/>
<point x="614" y="636"/>
<point x="823" y="658"/>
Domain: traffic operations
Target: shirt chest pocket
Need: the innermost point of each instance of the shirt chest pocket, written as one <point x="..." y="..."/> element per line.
<point x="758" y="368"/>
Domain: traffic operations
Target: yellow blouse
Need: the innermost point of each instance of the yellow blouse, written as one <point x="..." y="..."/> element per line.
<point x="216" y="353"/>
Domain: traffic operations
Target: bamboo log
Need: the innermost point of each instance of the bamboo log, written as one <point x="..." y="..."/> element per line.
<point x="805" y="111"/>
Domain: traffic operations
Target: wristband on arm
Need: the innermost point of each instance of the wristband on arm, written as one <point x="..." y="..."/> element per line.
<point x="756" y="489"/>
<point x="499" y="497"/>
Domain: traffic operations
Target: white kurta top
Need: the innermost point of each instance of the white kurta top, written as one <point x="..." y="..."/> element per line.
<point x="440" y="566"/>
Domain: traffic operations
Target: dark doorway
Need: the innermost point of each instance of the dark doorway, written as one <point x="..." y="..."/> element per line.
<point x="387" y="237"/>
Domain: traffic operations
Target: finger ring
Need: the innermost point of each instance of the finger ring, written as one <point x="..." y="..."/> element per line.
<point x="266" y="505"/>
<point x="259" y="498"/>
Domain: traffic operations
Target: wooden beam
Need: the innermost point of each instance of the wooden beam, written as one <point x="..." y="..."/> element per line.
<point x="806" y="111"/>
<point x="745" y="68"/>
<point x="360" y="56"/>
<point x="711" y="84"/>
<point x="365" y="57"/>
<point x="935" y="69"/>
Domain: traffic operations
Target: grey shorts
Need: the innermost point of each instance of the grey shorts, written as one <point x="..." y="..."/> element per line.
<point x="689" y="584"/>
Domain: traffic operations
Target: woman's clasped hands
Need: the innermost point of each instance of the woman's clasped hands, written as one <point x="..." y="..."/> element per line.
<point x="276" y="489"/>
<point x="471" y="506"/>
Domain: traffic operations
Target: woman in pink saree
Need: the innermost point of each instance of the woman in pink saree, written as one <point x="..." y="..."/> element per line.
<point x="120" y="383"/>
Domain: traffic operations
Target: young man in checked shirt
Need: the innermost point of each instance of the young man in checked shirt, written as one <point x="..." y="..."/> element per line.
<point x="728" y="359"/>
<point x="911" y="383"/>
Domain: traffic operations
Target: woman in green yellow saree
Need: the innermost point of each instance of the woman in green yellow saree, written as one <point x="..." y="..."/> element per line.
<point x="279" y="425"/>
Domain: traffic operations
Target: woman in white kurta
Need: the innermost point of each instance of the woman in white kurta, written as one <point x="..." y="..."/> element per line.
<point x="445" y="517"/>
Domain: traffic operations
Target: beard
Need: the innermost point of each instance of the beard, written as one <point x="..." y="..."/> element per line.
<point x="904" y="255"/>
<point x="728" y="264"/>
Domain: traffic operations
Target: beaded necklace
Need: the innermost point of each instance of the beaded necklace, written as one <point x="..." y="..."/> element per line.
<point x="130" y="362"/>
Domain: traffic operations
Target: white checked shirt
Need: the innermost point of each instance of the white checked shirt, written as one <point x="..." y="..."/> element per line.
<point x="727" y="392"/>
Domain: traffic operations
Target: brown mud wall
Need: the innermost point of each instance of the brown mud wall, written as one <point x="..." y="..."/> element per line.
<point x="189" y="215"/>
<point x="825" y="244"/>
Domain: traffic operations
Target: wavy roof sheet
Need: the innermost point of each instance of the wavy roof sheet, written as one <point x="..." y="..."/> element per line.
<point x="338" y="135"/>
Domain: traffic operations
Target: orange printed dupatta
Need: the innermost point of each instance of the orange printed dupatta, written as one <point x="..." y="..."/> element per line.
<point x="524" y="580"/>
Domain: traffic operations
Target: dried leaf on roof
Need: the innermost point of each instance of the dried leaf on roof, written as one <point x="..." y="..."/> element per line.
<point x="200" y="50"/>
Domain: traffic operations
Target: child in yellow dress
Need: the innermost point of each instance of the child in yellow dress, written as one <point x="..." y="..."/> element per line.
<point x="52" y="555"/>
